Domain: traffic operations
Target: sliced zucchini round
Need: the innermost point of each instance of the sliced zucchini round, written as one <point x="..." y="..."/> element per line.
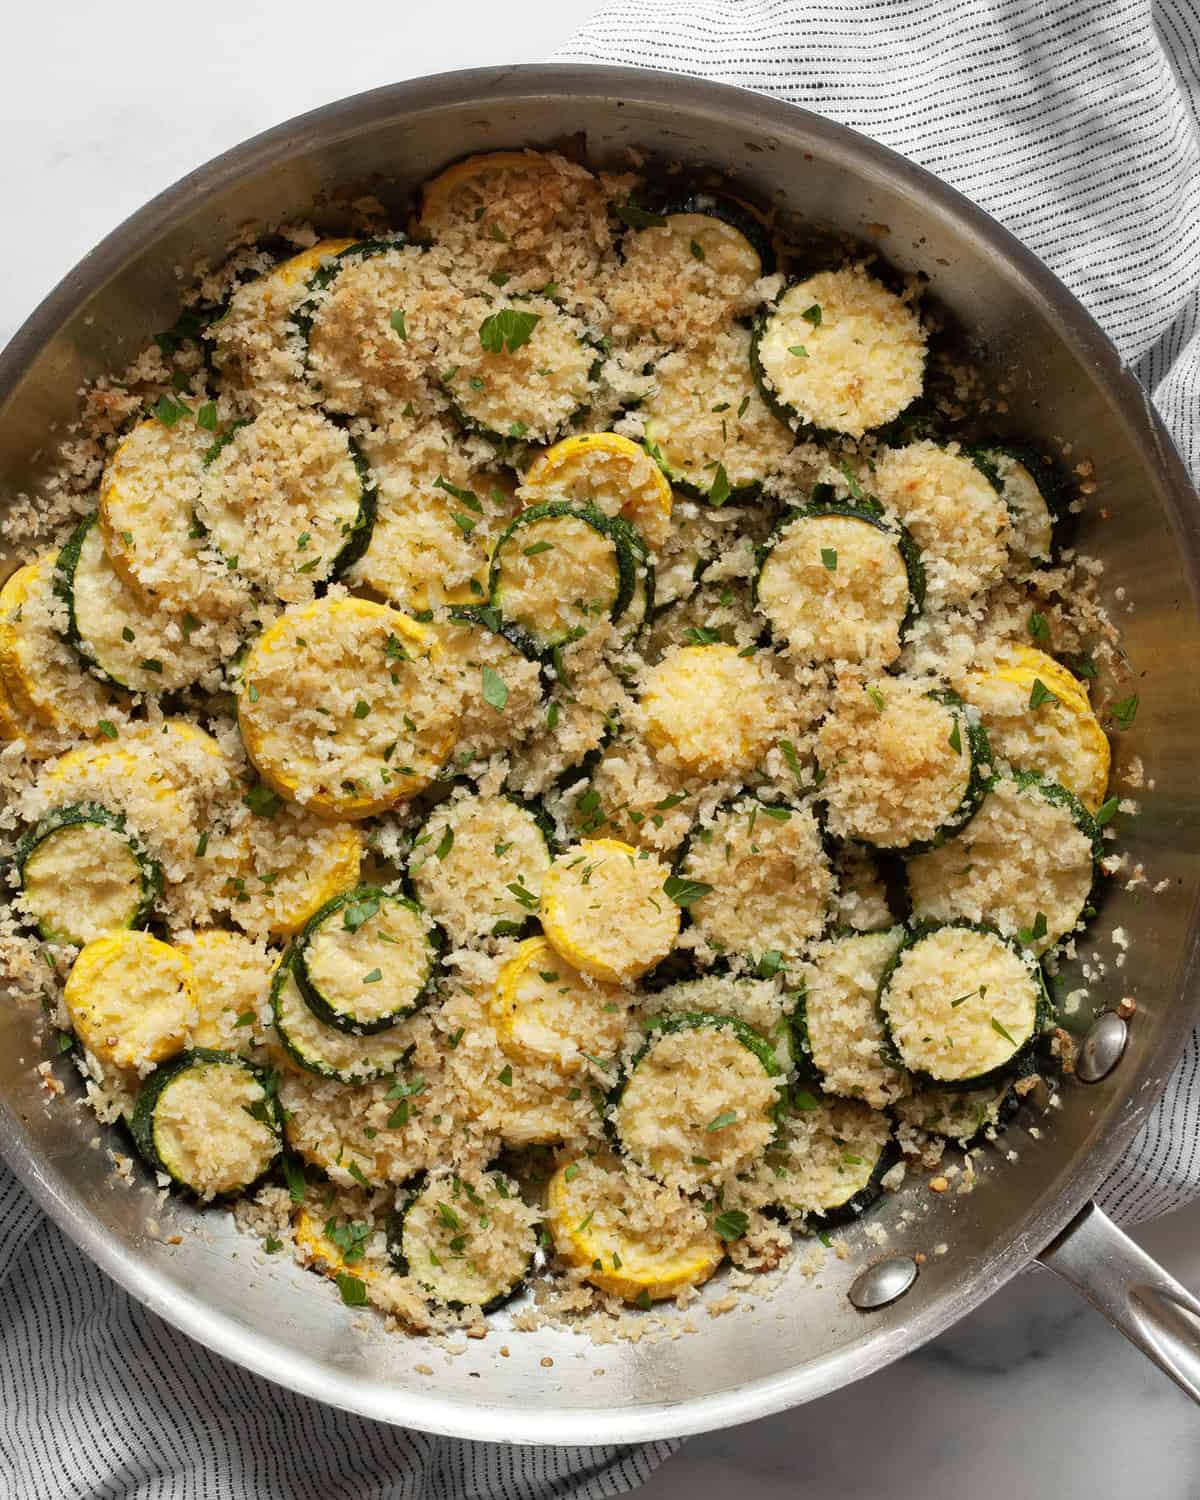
<point x="1038" y="717"/>
<point x="629" y="1236"/>
<point x="766" y="882"/>
<point x="83" y="875"/>
<point x="343" y="709"/>
<point x="307" y="1041"/>
<point x="961" y="1005"/>
<point x="610" y="472"/>
<point x="688" y="268"/>
<point x="210" y="1121"/>
<point x="371" y="323"/>
<point x="902" y="768"/>
<point x="607" y="909"/>
<point x="641" y="603"/>
<point x="285" y="865"/>
<point x="828" y="1166"/>
<point x="288" y="500"/>
<point x="760" y="1003"/>
<point x="710" y="710"/>
<point x="953" y="510"/>
<point x="232" y="977"/>
<point x="706" y="425"/>
<point x="1026" y="863"/>
<point x="477" y="865"/>
<point x="519" y="372"/>
<point x="498" y="677"/>
<point x="964" y="1116"/>
<point x="1033" y="489"/>
<point x="132" y="999"/>
<point x="373" y="1133"/>
<point x="545" y="1011"/>
<point x="839" y="355"/>
<point x="840" y="583"/>
<point x="140" y="647"/>
<point x="366" y="960"/>
<point x="699" y="1101"/>
<point x="837" y="1023"/>
<point x="470" y="1242"/>
<point x="558" y="568"/>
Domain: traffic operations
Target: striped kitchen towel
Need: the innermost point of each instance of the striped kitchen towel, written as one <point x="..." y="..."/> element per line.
<point x="1075" y="123"/>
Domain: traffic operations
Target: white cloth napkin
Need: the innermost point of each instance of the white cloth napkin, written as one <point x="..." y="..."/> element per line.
<point x="1076" y="124"/>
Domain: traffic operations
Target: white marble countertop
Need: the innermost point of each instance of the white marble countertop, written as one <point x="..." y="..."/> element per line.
<point x="101" y="106"/>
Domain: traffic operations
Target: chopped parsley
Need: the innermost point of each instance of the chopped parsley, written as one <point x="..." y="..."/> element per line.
<point x="1125" y="712"/>
<point x="720" y="489"/>
<point x="812" y="315"/>
<point x="507" y="330"/>
<point x="720" y="1122"/>
<point x="638" y="218"/>
<point x="829" y="558"/>
<point x="684" y="892"/>
<point x="495" y="689"/>
<point x="731" y="1224"/>
<point x="1040" y="694"/>
<point x="397" y="322"/>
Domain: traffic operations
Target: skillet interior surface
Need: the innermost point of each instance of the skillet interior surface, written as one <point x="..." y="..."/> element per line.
<point x="1064" y="380"/>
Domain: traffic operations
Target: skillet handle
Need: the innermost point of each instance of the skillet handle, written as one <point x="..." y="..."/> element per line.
<point x="1135" y="1294"/>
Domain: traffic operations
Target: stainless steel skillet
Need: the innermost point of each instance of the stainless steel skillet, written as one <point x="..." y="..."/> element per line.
<point x="1066" y="380"/>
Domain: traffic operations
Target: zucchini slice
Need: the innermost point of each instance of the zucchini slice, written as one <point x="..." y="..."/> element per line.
<point x="710" y="711"/>
<point x="343" y="709"/>
<point x="766" y="879"/>
<point x="304" y="1039"/>
<point x="436" y="519"/>
<point x="699" y="1101"/>
<point x="372" y="1134"/>
<point x="760" y="1003"/>
<point x="366" y="960"/>
<point x="605" y="907"/>
<point x="961" y="1005"/>
<point x="837" y="1023"/>
<point x="544" y="1011"/>
<point x="706" y="425"/>
<point x="1033" y="489"/>
<point x="828" y="1166"/>
<point x="688" y="269"/>
<point x="210" y="1121"/>
<point x="964" y="1116"/>
<point x="627" y="1235"/>
<point x="1038" y="717"/>
<point x="525" y="218"/>
<point x="557" y="569"/>
<point x="147" y="510"/>
<point x="371" y="325"/>
<point x="517" y="372"/>
<point x="954" y="512"/>
<point x="82" y="875"/>
<point x="840" y="583"/>
<point x="641" y="604"/>
<point x="43" y="679"/>
<point x="478" y="864"/>
<point x="288" y="500"/>
<point x="1026" y="863"/>
<point x="902" y="768"/>
<point x="839" y="355"/>
<point x="132" y="999"/>
<point x="133" y="645"/>
<point x="479" y="651"/>
<point x="232" y="978"/>
<point x="609" y="472"/>
<point x="470" y="1242"/>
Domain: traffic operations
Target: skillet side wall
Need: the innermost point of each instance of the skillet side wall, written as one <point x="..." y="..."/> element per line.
<point x="1066" y="381"/>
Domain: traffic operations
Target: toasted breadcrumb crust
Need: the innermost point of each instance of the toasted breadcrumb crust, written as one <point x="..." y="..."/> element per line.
<point x="221" y="462"/>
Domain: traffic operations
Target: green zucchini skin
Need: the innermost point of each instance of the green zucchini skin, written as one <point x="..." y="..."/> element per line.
<point x="318" y="1003"/>
<point x="742" y="494"/>
<point x="80" y="814"/>
<point x="643" y="566"/>
<point x="64" y="590"/>
<point x="1050" y="478"/>
<point x="305" y="315"/>
<point x="141" y="1121"/>
<point x="865" y="1198"/>
<point x="302" y="1059"/>
<point x="1019" y="1060"/>
<point x="394" y="1235"/>
<point x="870" y="513"/>
<point x="591" y="516"/>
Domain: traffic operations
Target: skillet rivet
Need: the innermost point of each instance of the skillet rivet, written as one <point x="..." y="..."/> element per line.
<point x="1102" y="1048"/>
<point x="883" y="1282"/>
